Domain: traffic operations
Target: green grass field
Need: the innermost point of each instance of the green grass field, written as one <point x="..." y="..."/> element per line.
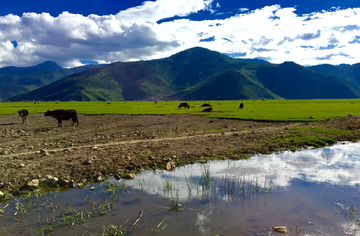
<point x="270" y="110"/>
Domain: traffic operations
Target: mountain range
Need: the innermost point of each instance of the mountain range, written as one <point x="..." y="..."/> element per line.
<point x="16" y="80"/>
<point x="193" y="74"/>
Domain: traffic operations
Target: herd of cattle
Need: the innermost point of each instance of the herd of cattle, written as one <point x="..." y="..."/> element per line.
<point x="62" y="114"/>
<point x="209" y="109"/>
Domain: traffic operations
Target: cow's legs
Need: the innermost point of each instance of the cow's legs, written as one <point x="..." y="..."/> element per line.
<point x="75" y="120"/>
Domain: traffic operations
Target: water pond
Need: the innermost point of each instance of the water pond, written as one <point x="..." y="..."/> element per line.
<point x="310" y="192"/>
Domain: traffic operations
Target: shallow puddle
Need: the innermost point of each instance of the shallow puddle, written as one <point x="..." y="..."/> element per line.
<point x="311" y="192"/>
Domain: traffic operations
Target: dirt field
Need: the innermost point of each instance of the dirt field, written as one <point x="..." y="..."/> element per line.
<point x="111" y="145"/>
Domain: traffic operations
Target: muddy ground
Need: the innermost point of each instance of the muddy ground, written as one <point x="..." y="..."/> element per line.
<point x="103" y="146"/>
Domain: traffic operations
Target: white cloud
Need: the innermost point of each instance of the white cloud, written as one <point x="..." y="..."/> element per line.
<point x="243" y="9"/>
<point x="161" y="9"/>
<point x="135" y="34"/>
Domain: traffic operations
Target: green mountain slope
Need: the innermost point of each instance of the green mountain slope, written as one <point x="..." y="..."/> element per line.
<point x="16" y="80"/>
<point x="24" y="71"/>
<point x="136" y="80"/>
<point x="194" y="74"/>
<point x="230" y="84"/>
<point x="292" y="81"/>
<point x="350" y="74"/>
<point x="345" y="73"/>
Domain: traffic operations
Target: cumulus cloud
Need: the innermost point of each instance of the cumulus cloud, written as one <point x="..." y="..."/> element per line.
<point x="147" y="32"/>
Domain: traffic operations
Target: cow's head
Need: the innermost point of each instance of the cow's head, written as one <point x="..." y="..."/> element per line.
<point x="48" y="113"/>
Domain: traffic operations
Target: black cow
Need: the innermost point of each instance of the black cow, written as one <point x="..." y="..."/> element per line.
<point x="206" y="105"/>
<point x="23" y="113"/>
<point x="184" y="104"/>
<point x="241" y="106"/>
<point x="61" y="115"/>
<point x="207" y="109"/>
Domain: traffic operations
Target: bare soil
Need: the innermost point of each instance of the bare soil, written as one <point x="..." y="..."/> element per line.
<point x="118" y="145"/>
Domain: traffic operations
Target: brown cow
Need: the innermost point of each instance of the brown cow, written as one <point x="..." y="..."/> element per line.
<point x="23" y="113"/>
<point x="184" y="104"/>
<point x="61" y="115"/>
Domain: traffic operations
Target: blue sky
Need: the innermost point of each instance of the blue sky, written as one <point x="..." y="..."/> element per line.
<point x="74" y="32"/>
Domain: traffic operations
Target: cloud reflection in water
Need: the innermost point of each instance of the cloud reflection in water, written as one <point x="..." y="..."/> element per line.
<point x="336" y="165"/>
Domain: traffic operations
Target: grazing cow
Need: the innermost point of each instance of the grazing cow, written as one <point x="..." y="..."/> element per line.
<point x="206" y="105"/>
<point x="23" y="113"/>
<point x="184" y="104"/>
<point x="155" y="102"/>
<point x="241" y="106"/>
<point x="63" y="115"/>
<point x="207" y="109"/>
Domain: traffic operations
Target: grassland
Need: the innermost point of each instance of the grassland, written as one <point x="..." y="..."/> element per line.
<point x="270" y="110"/>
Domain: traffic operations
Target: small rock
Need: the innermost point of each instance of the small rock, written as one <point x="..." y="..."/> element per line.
<point x="50" y="179"/>
<point x="34" y="183"/>
<point x="89" y="161"/>
<point x="170" y="165"/>
<point x="280" y="229"/>
<point x="77" y="185"/>
<point x="43" y="152"/>
<point x="31" y="185"/>
<point x="92" y="188"/>
<point x="1" y="194"/>
<point x="350" y="115"/>
<point x="94" y="148"/>
<point x="286" y="128"/>
<point x="63" y="182"/>
<point x="21" y="165"/>
<point x="129" y="176"/>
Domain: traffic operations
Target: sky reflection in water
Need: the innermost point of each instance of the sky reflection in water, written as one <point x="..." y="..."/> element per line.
<point x="336" y="165"/>
<point x="305" y="186"/>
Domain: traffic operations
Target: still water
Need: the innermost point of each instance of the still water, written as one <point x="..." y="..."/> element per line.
<point x="310" y="192"/>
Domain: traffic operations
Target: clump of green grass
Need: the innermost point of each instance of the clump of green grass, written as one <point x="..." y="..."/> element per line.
<point x="113" y="230"/>
<point x="2" y="210"/>
<point x="306" y="141"/>
<point x="318" y="130"/>
<point x="114" y="188"/>
<point x="321" y="141"/>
